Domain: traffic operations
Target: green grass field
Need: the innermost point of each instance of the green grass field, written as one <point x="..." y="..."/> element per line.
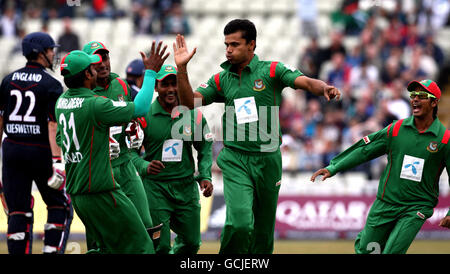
<point x="283" y="247"/>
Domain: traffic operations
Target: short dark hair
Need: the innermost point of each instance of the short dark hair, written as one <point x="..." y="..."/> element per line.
<point x="76" y="81"/>
<point x="245" y="26"/>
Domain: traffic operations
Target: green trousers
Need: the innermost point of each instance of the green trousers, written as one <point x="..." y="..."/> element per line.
<point x="251" y="182"/>
<point x="175" y="204"/>
<point x="390" y="229"/>
<point x="130" y="182"/>
<point x="113" y="221"/>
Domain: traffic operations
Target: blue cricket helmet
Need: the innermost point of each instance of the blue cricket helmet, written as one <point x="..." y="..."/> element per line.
<point x="135" y="67"/>
<point x="37" y="42"/>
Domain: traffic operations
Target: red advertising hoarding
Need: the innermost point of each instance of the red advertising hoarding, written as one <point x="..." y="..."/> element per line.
<point x="336" y="213"/>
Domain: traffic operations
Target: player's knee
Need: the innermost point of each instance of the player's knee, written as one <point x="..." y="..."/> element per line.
<point x="19" y="221"/>
<point x="242" y="221"/>
<point x="20" y="232"/>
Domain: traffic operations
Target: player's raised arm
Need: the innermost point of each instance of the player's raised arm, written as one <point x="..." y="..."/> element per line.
<point x="182" y="57"/>
<point x="152" y="65"/>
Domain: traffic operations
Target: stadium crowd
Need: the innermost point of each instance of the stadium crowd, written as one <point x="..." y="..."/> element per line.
<point x="394" y="46"/>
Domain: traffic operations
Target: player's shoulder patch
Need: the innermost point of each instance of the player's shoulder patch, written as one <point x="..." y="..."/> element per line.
<point x="366" y="139"/>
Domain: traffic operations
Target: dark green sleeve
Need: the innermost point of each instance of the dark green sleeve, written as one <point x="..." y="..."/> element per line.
<point x="366" y="149"/>
<point x="140" y="164"/>
<point x="204" y="153"/>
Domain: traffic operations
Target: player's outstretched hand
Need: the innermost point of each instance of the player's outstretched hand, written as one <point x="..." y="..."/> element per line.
<point x="331" y="92"/>
<point x="321" y="172"/>
<point x="156" y="58"/>
<point x="181" y="54"/>
<point x="155" y="167"/>
<point x="207" y="187"/>
<point x="445" y="222"/>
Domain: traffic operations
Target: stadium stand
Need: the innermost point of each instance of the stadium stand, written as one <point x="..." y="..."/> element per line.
<point x="279" y="38"/>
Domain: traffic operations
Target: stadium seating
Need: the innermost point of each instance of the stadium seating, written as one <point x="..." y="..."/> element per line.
<point x="279" y="38"/>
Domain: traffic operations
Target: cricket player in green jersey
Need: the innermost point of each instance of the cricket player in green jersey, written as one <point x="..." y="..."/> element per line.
<point x="111" y="86"/>
<point x="251" y="159"/>
<point x="417" y="150"/>
<point x="168" y="166"/>
<point x="84" y="119"/>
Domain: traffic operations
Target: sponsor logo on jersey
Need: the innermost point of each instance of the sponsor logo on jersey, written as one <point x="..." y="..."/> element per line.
<point x="432" y="147"/>
<point x="259" y="85"/>
<point x="120" y="98"/>
<point x="203" y="85"/>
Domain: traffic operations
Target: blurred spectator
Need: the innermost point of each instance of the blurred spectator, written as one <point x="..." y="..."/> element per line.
<point x="433" y="15"/>
<point x="9" y="23"/>
<point x="309" y="61"/>
<point x="313" y="116"/>
<point x="290" y="150"/>
<point x="308" y="158"/>
<point x="412" y="37"/>
<point x="176" y="22"/>
<point x="103" y="8"/>
<point x="363" y="77"/>
<point x="418" y="65"/>
<point x="68" y="40"/>
<point x="392" y="70"/>
<point x="362" y="110"/>
<point x="398" y="105"/>
<point x="17" y="49"/>
<point x="307" y="12"/>
<point x="288" y="115"/>
<point x="350" y="19"/>
<point x="339" y="73"/>
<point x="434" y="50"/>
<point x="336" y="45"/>
<point x="395" y="32"/>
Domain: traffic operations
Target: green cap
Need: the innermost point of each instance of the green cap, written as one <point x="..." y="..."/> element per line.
<point x="165" y="71"/>
<point x="77" y="61"/>
<point x="94" y="46"/>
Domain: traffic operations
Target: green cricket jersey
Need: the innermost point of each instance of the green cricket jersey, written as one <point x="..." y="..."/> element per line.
<point x="252" y="100"/>
<point x="415" y="161"/>
<point x="83" y="127"/>
<point x="117" y="90"/>
<point x="170" y="141"/>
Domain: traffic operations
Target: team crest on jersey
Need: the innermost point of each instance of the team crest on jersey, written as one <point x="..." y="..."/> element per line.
<point x="432" y="147"/>
<point x="120" y="98"/>
<point x="258" y="85"/>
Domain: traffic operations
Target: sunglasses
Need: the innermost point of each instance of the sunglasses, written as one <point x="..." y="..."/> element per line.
<point x="422" y="95"/>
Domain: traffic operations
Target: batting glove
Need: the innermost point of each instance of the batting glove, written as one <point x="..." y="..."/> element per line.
<point x="114" y="149"/>
<point x="134" y="135"/>
<point x="58" y="179"/>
